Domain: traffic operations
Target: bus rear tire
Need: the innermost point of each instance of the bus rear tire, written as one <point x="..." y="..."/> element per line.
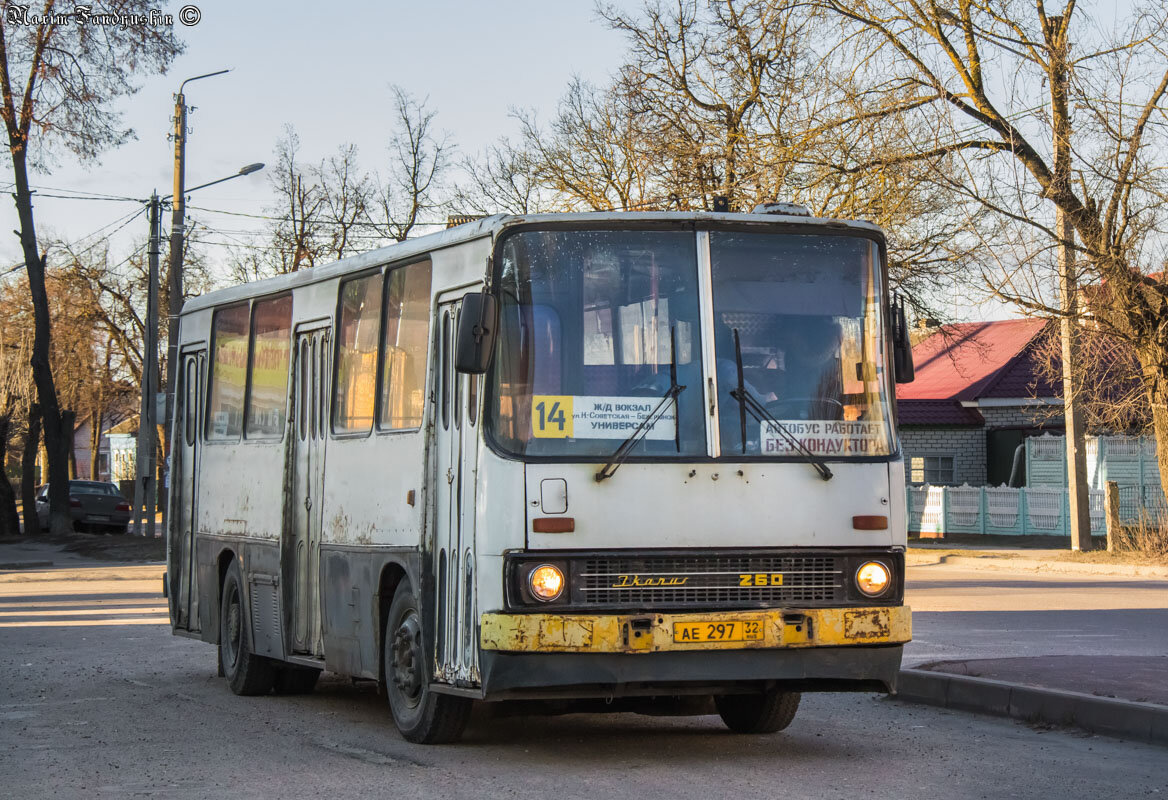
<point x="423" y="716"/>
<point x="246" y="673"/>
<point x="751" y="713"/>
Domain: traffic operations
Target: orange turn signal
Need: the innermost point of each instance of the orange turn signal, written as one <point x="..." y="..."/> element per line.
<point x="553" y="524"/>
<point x="870" y="522"/>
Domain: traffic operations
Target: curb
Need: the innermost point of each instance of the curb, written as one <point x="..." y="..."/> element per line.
<point x="1126" y="719"/>
<point x="26" y="564"/>
<point x="1035" y="565"/>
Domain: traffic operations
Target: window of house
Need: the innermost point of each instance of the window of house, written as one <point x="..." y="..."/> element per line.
<point x="228" y="373"/>
<point x="931" y="469"/>
<point x="268" y="367"/>
<point x="407" y="324"/>
<point x="356" y="377"/>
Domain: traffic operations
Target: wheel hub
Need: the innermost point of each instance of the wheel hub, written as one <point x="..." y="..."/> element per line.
<point x="407" y="660"/>
<point x="231" y="640"/>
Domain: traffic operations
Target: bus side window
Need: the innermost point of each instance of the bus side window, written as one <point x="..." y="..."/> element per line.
<point x="229" y="345"/>
<point x="192" y="409"/>
<point x="444" y="365"/>
<point x="302" y="397"/>
<point x="472" y="398"/>
<point x="267" y="369"/>
<point x="358" y="339"/>
<point x="313" y="380"/>
<point x="457" y="379"/>
<point x="404" y="340"/>
<point x="321" y="389"/>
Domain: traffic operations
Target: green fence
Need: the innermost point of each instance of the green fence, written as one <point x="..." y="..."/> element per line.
<point x="1041" y="510"/>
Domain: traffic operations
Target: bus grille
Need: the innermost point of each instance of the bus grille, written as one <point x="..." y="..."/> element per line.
<point x="711" y="582"/>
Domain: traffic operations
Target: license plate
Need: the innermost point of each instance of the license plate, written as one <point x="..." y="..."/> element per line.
<point x="100" y="517"/>
<point x="721" y="631"/>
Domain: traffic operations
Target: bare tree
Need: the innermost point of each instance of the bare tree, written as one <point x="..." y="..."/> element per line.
<point x="594" y="156"/>
<point x="297" y="238"/>
<point x="997" y="82"/>
<point x="419" y="158"/>
<point x="16" y="395"/>
<point x="57" y="82"/>
<point x="751" y="100"/>
<point x="500" y="180"/>
<point x="346" y="193"/>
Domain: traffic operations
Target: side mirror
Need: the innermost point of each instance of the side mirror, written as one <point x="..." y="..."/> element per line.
<point x="901" y="345"/>
<point x="475" y="340"/>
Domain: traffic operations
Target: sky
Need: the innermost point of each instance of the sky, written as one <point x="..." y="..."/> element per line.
<point x="325" y="69"/>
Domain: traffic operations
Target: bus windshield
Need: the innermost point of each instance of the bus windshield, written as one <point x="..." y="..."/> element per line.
<point x="595" y="327"/>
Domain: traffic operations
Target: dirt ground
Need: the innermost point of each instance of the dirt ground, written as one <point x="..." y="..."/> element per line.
<point x="104" y="547"/>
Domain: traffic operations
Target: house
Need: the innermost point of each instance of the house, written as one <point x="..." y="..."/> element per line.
<point x="980" y="390"/>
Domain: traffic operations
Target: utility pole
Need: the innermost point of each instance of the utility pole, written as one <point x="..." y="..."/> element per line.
<point x="174" y="277"/>
<point x="1077" y="496"/>
<point x="146" y="487"/>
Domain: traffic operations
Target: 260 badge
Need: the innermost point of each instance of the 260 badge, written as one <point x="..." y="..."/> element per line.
<point x="761" y="579"/>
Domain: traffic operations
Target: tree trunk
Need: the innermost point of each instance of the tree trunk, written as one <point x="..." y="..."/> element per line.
<point x="28" y="481"/>
<point x="95" y="444"/>
<point x="96" y="420"/>
<point x="72" y="444"/>
<point x="57" y="434"/>
<point x="1157" y="387"/>
<point x="9" y="519"/>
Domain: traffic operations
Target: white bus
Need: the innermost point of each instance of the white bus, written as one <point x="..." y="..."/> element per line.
<point x="648" y="458"/>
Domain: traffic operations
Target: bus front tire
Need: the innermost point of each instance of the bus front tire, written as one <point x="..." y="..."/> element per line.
<point x="246" y="673"/>
<point x="423" y="716"/>
<point x="751" y="713"/>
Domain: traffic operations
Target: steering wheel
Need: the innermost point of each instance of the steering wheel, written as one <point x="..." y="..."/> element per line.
<point x="786" y="405"/>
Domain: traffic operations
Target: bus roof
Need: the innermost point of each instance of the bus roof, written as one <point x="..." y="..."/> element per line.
<point x="492" y="226"/>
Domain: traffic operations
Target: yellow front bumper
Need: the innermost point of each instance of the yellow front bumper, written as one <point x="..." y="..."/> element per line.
<point x="652" y="633"/>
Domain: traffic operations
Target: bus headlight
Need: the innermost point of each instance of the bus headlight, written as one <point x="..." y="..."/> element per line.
<point x="873" y="578"/>
<point x="546" y="582"/>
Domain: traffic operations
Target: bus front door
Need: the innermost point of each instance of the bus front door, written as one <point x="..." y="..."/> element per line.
<point x="455" y="453"/>
<point x="182" y="575"/>
<point x="301" y="546"/>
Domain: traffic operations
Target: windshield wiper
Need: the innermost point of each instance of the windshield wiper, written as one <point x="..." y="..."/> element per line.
<point x="614" y="461"/>
<point x="746" y="402"/>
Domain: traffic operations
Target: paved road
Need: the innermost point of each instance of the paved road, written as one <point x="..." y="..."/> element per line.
<point x="964" y="613"/>
<point x="100" y="701"/>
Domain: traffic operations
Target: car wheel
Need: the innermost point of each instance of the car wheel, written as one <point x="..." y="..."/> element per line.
<point x="246" y="673"/>
<point x="750" y="713"/>
<point x="422" y="715"/>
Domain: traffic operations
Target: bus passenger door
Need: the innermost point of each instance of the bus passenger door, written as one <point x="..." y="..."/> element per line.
<point x="456" y="651"/>
<point x="182" y="574"/>
<point x="301" y="549"/>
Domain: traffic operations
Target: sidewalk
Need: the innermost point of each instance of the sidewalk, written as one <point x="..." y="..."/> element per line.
<point x="1025" y="559"/>
<point x="1041" y="641"/>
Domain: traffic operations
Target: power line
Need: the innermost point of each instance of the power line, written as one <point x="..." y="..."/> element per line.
<point x="125" y="220"/>
<point x="268" y="218"/>
<point x="74" y="194"/>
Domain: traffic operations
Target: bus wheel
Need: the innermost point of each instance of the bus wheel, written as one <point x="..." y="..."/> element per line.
<point x="295" y="680"/>
<point x="246" y="672"/>
<point x="422" y="716"/>
<point x="750" y="713"/>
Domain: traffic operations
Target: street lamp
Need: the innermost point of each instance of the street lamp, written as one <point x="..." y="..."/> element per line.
<point x="145" y="488"/>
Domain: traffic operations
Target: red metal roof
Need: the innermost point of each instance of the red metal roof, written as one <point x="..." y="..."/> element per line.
<point x="965" y="360"/>
<point x="936" y="412"/>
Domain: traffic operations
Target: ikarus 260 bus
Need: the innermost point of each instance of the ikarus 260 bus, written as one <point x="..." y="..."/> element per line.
<point x="645" y="458"/>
